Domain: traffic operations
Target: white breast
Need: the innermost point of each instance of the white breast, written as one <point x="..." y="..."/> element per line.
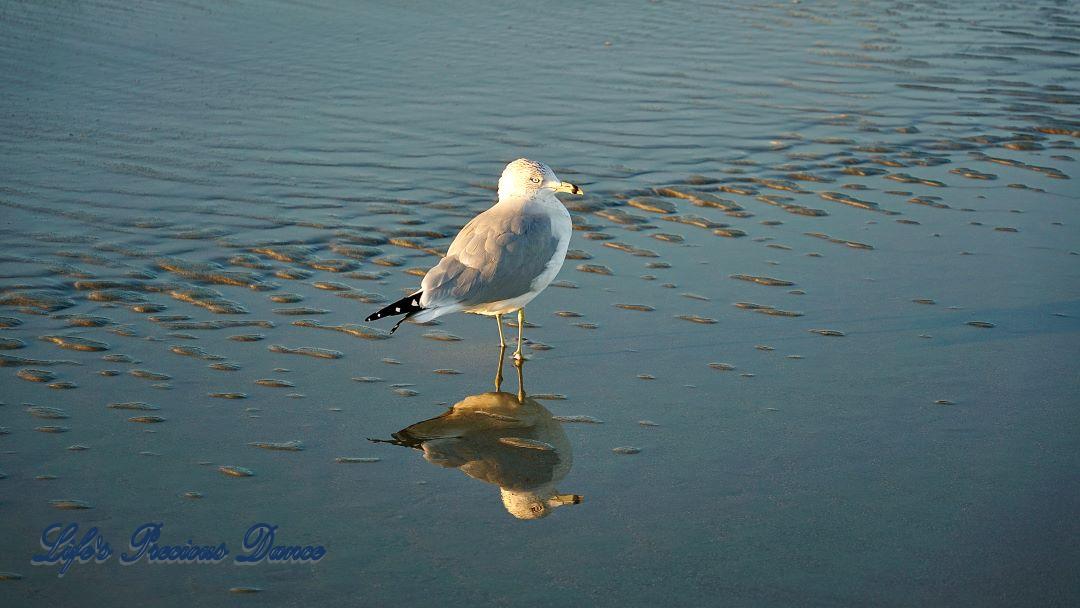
<point x="563" y="228"/>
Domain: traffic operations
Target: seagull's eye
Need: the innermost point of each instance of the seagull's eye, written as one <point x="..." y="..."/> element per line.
<point x="535" y="180"/>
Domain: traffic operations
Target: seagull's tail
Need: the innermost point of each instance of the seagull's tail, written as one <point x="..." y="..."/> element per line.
<point x="408" y="306"/>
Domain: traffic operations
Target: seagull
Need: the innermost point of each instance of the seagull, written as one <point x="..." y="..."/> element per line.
<point x="501" y="259"/>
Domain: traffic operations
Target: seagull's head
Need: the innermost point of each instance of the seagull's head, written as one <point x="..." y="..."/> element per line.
<point x="525" y="178"/>
<point x="537" y="502"/>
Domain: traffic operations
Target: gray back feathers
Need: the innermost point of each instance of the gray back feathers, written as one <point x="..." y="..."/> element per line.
<point x="495" y="257"/>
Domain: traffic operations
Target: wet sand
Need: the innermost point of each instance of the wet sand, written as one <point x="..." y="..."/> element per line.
<point x="200" y="204"/>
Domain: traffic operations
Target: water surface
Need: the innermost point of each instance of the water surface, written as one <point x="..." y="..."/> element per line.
<point x="196" y="190"/>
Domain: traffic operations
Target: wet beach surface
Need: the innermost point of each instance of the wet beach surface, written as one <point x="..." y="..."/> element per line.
<point x="815" y="342"/>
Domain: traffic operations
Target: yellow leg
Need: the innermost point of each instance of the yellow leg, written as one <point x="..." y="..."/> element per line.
<point x="502" y="340"/>
<point x="521" y="329"/>
<point x="498" y="370"/>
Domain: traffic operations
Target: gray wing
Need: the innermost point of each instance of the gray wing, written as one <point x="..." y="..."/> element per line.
<point x="496" y="256"/>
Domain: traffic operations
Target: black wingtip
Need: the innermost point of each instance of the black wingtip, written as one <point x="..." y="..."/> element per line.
<point x="409" y="305"/>
<point x="400" y="321"/>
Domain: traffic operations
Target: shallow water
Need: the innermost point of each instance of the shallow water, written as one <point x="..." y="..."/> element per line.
<point x="223" y="193"/>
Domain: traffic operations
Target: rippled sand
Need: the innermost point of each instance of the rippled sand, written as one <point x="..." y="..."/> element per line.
<point x="200" y="204"/>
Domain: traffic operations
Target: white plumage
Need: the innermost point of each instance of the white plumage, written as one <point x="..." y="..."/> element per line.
<point x="504" y="257"/>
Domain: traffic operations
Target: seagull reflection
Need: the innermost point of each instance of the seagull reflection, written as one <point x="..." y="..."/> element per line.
<point x="503" y="439"/>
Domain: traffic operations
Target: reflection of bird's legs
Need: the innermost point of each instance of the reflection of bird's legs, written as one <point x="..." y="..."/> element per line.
<point x="521" y="328"/>
<point x="521" y="380"/>
<point x="498" y="370"/>
<point x="502" y="341"/>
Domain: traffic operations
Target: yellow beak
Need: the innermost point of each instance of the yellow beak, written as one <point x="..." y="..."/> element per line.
<point x="568" y="187"/>
<point x="566" y="499"/>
